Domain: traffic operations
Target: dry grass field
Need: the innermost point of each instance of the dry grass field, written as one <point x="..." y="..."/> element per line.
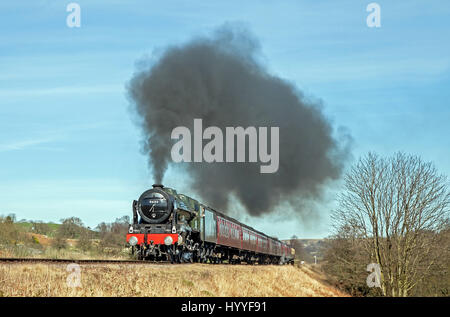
<point x="162" y="280"/>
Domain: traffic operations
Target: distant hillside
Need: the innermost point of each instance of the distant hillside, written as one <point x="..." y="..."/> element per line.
<point x="314" y="247"/>
<point x="50" y="227"/>
<point x="306" y="249"/>
<point x="69" y="239"/>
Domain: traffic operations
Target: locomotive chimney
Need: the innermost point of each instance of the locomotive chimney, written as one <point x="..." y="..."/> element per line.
<point x="158" y="186"/>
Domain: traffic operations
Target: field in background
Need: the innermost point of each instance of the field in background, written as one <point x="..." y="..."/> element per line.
<point x="163" y="280"/>
<point x="41" y="246"/>
<point x="69" y="240"/>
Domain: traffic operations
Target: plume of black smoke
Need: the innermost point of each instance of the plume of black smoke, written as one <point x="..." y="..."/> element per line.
<point x="220" y="80"/>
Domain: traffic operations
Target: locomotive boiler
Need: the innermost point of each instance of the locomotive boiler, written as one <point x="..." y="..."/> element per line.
<point x="168" y="226"/>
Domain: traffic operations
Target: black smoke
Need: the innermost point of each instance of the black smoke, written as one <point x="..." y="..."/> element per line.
<point x="221" y="80"/>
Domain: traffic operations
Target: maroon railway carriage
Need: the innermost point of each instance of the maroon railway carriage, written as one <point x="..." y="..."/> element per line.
<point x="171" y="226"/>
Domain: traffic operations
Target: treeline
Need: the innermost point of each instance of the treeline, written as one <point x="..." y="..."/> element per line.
<point x="392" y="229"/>
<point x="106" y="238"/>
<point x="9" y="233"/>
<point x="345" y="262"/>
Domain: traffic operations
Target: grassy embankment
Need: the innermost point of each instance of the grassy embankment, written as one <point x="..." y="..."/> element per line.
<point x="163" y="280"/>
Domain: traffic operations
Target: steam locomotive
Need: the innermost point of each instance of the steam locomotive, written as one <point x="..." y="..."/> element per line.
<point x="168" y="226"/>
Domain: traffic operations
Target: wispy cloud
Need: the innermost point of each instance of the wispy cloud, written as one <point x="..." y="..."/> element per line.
<point x="23" y="144"/>
<point x="47" y="137"/>
<point x="63" y="90"/>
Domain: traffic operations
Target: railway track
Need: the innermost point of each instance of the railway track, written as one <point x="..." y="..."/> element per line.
<point x="42" y="260"/>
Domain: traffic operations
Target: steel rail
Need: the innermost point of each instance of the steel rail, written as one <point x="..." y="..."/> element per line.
<point x="79" y="261"/>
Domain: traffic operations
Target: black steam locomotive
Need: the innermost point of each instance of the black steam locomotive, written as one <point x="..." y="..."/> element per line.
<point x="168" y="226"/>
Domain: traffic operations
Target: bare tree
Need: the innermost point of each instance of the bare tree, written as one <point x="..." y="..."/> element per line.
<point x="396" y="207"/>
<point x="345" y="263"/>
<point x="40" y="227"/>
<point x="71" y="227"/>
<point x="112" y="234"/>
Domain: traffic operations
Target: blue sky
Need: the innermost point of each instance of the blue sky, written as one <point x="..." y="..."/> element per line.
<point x="68" y="146"/>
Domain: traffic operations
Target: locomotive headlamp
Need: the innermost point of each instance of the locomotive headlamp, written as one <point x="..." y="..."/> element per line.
<point x="130" y="229"/>
<point x="133" y="240"/>
<point x="168" y="240"/>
